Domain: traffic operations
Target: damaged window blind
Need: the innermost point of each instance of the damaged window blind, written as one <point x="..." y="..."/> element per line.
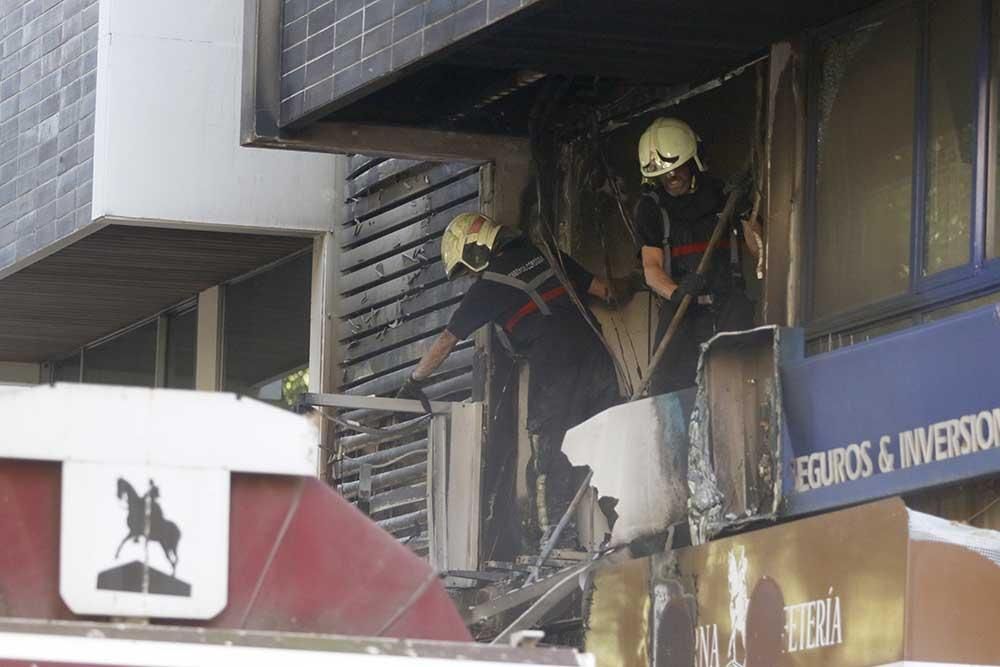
<point x="394" y="301"/>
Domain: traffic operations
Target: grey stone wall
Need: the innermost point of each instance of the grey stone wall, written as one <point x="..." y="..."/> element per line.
<point x="333" y="47"/>
<point x="48" y="76"/>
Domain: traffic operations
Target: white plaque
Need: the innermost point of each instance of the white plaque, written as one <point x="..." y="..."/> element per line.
<point x="144" y="540"/>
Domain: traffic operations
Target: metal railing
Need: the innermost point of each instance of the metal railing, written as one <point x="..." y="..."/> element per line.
<point x="418" y="476"/>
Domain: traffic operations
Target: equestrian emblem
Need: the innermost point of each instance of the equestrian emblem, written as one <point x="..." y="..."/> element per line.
<point x="145" y="523"/>
<point x="144" y="539"/>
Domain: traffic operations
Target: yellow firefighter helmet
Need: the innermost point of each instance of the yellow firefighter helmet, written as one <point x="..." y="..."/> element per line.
<point x="468" y="241"/>
<point x="666" y="145"/>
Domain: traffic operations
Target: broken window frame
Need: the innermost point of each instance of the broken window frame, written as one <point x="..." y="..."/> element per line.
<point x="952" y="285"/>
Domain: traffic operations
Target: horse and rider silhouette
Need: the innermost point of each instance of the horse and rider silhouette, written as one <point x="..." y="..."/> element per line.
<point x="159" y="529"/>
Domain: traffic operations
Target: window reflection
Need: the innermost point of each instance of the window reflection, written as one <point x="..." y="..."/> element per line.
<point x="951" y="137"/>
<point x="128" y="359"/>
<point x="266" y="330"/>
<point x="182" y="331"/>
<point x="67" y="370"/>
<point x="865" y="164"/>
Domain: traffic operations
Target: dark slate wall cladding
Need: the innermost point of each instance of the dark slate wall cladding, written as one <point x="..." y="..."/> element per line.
<point x="333" y="47"/>
<point x="48" y="76"/>
<point x="394" y="301"/>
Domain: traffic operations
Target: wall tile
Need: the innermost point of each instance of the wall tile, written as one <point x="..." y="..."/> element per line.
<point x="377" y="13"/>
<point x="322" y="18"/>
<point x="377" y="39"/>
<point x="48" y="61"/>
<point x="407" y="50"/>
<point x="419" y="28"/>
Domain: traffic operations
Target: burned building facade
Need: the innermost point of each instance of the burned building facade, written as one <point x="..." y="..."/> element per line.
<point x="865" y="128"/>
<point x="865" y="131"/>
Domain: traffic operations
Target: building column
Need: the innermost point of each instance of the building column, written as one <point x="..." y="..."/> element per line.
<point x="785" y="212"/>
<point x="324" y="349"/>
<point x="208" y="355"/>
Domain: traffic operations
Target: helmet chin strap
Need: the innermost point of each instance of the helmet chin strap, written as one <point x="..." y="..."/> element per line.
<point x="692" y="186"/>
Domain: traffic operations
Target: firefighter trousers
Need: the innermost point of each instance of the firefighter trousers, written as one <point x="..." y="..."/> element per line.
<point x="679" y="365"/>
<point x="572" y="378"/>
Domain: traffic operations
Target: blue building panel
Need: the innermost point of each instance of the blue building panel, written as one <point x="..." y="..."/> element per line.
<point x="909" y="411"/>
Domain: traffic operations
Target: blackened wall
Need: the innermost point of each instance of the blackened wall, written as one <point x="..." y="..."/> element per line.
<point x="334" y="47"/>
<point x="48" y="78"/>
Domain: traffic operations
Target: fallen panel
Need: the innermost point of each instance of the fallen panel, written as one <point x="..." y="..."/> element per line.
<point x="638" y="452"/>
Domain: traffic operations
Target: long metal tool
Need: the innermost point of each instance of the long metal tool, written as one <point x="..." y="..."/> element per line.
<point x="550" y="544"/>
<point x="720" y="229"/>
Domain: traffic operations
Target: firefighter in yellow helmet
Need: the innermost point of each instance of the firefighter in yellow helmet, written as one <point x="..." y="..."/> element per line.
<point x="571" y="377"/>
<point x="674" y="219"/>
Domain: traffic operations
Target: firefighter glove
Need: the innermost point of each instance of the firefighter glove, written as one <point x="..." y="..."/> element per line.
<point x="620" y="291"/>
<point x="414" y="389"/>
<point x="693" y="285"/>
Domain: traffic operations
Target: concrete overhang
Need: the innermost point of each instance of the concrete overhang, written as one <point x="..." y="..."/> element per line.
<point x="166" y="143"/>
<point x="116" y="275"/>
<point x="177" y="205"/>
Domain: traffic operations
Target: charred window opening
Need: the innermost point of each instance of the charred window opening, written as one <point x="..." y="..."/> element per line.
<point x="594" y="172"/>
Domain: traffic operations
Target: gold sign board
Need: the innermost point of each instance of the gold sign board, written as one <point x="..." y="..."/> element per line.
<point x="864" y="587"/>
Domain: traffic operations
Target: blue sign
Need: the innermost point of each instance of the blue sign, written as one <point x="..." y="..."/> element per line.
<point x="907" y="411"/>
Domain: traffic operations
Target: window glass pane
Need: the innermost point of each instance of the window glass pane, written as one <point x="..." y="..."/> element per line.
<point x="865" y="164"/>
<point x="182" y="331"/>
<point x="129" y="359"/>
<point x="67" y="370"/>
<point x="951" y="133"/>
<point x="266" y="330"/>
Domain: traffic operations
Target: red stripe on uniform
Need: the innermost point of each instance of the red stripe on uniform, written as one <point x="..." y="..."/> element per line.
<point x="693" y="248"/>
<point x="532" y="307"/>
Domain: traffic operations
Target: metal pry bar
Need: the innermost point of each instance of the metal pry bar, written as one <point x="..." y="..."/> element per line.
<point x="551" y="542"/>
